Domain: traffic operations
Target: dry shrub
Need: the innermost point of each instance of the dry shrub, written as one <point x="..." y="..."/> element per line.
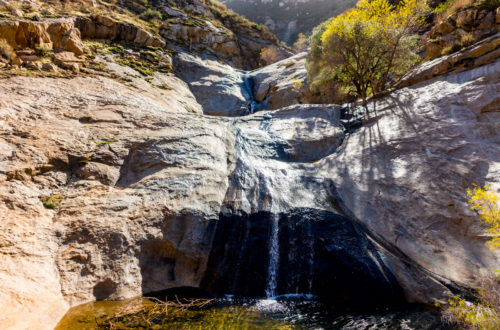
<point x="269" y="55"/>
<point x="6" y="50"/>
<point x="467" y="40"/>
<point x="450" y="7"/>
<point x="482" y="314"/>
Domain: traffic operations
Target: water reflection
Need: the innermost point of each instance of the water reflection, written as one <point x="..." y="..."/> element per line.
<point x="283" y="312"/>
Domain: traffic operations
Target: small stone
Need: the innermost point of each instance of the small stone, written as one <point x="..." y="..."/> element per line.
<point x="47" y="12"/>
<point x="17" y="13"/>
<point x="28" y="58"/>
<point x="441" y="29"/>
<point x="487" y="23"/>
<point x="17" y="61"/>
<point x="33" y="65"/>
<point x="49" y="67"/>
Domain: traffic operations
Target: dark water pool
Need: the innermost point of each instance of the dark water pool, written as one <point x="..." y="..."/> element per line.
<point x="285" y="312"/>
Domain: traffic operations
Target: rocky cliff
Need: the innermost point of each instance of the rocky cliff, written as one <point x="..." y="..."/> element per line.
<point x="132" y="176"/>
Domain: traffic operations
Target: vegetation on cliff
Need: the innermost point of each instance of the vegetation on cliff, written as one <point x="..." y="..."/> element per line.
<point x="365" y="47"/>
<point x="485" y="312"/>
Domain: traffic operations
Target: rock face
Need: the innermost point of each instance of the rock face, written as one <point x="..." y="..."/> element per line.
<point x="103" y="27"/>
<point x="152" y="194"/>
<point x="219" y="88"/>
<point x="51" y="33"/>
<point x="460" y="30"/>
<point x="225" y="91"/>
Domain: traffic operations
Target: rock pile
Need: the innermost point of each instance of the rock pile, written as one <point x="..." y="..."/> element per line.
<point x="461" y="30"/>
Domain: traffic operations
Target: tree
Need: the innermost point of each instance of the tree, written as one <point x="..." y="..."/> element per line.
<point x="368" y="45"/>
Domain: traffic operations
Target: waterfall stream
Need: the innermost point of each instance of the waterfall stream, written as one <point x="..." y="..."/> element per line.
<point x="272" y="274"/>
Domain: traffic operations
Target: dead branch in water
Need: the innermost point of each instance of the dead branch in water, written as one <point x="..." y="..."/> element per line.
<point x="149" y="312"/>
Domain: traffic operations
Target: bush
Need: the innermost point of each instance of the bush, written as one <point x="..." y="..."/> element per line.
<point x="6" y="50"/>
<point x="269" y="55"/>
<point x="484" y="313"/>
<point x="152" y="14"/>
<point x="43" y="51"/>
<point x="302" y="43"/>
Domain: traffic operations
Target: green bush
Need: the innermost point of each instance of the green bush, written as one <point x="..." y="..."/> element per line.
<point x="152" y="14"/>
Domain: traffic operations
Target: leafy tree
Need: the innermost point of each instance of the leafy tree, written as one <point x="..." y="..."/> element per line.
<point x="368" y="45"/>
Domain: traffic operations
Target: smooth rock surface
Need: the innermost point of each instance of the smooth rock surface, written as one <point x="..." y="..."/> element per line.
<point x="146" y="178"/>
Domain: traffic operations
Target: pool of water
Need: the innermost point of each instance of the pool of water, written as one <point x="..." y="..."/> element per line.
<point x="285" y="312"/>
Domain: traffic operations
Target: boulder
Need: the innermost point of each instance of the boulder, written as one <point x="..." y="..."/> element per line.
<point x="441" y="29"/>
<point x="68" y="60"/>
<point x="104" y="27"/>
<point x="49" y="67"/>
<point x="50" y="33"/>
<point x="466" y="19"/>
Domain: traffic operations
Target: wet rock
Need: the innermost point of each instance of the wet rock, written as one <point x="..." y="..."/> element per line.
<point x="219" y="88"/>
<point x="412" y="181"/>
<point x="312" y="244"/>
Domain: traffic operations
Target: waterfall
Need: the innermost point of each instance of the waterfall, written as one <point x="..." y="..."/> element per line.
<point x="272" y="273"/>
<point x="310" y="256"/>
<point x="253" y="105"/>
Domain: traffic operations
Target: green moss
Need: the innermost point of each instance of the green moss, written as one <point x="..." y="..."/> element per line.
<point x="52" y="201"/>
<point x="150" y="14"/>
<point x="142" y="66"/>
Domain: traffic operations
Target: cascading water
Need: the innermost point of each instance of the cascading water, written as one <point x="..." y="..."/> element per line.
<point x="253" y="105"/>
<point x="272" y="274"/>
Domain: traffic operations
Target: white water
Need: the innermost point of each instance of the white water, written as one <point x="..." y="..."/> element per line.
<point x="272" y="270"/>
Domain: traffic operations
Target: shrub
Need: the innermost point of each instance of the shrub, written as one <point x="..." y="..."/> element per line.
<point x="302" y="43"/>
<point x="151" y="14"/>
<point x="43" y="51"/>
<point x="269" y="55"/>
<point x="52" y="201"/>
<point x="6" y="50"/>
<point x="485" y="202"/>
<point x="484" y="313"/>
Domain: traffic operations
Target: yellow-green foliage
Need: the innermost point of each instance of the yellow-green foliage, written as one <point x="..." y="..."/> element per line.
<point x="52" y="201"/>
<point x="472" y="315"/>
<point x="297" y="85"/>
<point x="485" y="202"/>
<point x="365" y="46"/>
<point x="485" y="311"/>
